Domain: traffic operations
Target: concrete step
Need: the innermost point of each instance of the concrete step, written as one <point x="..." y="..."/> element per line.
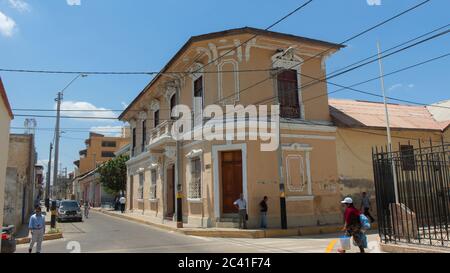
<point x="228" y="223"/>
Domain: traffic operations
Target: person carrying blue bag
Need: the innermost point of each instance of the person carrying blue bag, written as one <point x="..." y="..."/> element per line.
<point x="353" y="226"/>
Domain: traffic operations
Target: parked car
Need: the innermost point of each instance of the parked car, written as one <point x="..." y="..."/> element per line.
<point x="69" y="210"/>
<point x="8" y="240"/>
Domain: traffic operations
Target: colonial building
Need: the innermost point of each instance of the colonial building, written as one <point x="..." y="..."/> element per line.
<point x="6" y="116"/>
<point x="362" y="126"/>
<point x="214" y="172"/>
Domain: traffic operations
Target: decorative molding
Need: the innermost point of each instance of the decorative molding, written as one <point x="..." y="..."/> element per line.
<point x="170" y="91"/>
<point x="170" y="153"/>
<point x="287" y="59"/>
<point x="248" y="47"/>
<point x="291" y="187"/>
<point x="198" y="69"/>
<point x="202" y="50"/>
<point x="213" y="49"/>
<point x="308" y="127"/>
<point x="194" y="153"/>
<point x="297" y="147"/>
<point x="299" y="198"/>
<point x="237" y="44"/>
<point x="308" y="136"/>
<point x="154" y="105"/>
<point x="229" y="100"/>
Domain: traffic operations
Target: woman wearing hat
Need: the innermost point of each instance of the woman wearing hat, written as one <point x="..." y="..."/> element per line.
<point x="352" y="225"/>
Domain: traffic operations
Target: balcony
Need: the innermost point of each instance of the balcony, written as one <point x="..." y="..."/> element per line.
<point x="161" y="135"/>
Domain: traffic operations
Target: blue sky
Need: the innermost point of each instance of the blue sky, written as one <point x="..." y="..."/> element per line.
<point x="142" y="35"/>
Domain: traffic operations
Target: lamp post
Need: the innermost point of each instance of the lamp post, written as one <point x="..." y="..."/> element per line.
<point x="57" y="129"/>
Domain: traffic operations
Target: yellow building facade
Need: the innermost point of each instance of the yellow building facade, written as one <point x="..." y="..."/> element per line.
<point x="215" y="172"/>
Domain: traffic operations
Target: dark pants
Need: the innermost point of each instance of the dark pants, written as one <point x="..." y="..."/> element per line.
<point x="242" y="218"/>
<point x="122" y="208"/>
<point x="367" y="213"/>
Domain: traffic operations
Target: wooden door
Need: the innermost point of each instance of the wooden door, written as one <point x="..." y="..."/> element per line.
<point x="231" y="180"/>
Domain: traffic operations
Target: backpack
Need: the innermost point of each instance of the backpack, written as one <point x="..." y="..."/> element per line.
<point x="365" y="223"/>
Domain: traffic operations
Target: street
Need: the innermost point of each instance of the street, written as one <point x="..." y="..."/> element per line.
<point x="101" y="233"/>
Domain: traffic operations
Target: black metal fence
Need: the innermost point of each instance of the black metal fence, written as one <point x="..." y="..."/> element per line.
<point x="421" y="215"/>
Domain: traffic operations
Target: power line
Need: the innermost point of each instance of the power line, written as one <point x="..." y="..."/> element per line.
<point x="301" y="87"/>
<point x="365" y="81"/>
<point x="167" y="72"/>
<point x="330" y="48"/>
<point x="389" y="49"/>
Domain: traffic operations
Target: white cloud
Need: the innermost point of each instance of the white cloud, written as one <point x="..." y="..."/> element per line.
<point x="73" y="2"/>
<point x="20" y="5"/>
<point x="86" y="109"/>
<point x="400" y="86"/>
<point x="374" y="2"/>
<point x="395" y="86"/>
<point x="114" y="131"/>
<point x="7" y="25"/>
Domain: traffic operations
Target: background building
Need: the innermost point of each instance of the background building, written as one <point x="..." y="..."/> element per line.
<point x="20" y="180"/>
<point x="99" y="149"/>
<point x="6" y="116"/>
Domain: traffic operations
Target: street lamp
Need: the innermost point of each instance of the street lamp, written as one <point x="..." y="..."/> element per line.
<point x="57" y="130"/>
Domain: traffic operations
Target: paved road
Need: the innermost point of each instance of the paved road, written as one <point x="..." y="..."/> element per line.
<point x="103" y="233"/>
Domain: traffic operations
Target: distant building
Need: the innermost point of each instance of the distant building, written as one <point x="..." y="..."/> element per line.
<point x="99" y="149"/>
<point x="6" y="116"/>
<point x="20" y="188"/>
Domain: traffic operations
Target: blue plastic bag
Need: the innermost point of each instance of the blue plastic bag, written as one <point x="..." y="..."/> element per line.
<point x="365" y="223"/>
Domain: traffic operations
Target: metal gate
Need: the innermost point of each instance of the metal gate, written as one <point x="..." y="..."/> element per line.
<point x="422" y="213"/>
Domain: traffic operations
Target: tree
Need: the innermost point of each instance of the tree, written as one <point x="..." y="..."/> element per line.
<point x="113" y="174"/>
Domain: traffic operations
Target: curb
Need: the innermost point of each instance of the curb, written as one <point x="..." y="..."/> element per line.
<point x="47" y="237"/>
<point x="252" y="234"/>
<point x="404" y="248"/>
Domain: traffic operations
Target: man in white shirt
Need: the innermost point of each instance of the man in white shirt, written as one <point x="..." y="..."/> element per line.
<point x="241" y="204"/>
<point x="122" y="202"/>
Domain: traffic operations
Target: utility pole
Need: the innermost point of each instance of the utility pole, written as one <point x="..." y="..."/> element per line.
<point x="57" y="135"/>
<point x="179" y="170"/>
<point x="394" y="172"/>
<point x="57" y="128"/>
<point x="47" y="189"/>
<point x="283" y="213"/>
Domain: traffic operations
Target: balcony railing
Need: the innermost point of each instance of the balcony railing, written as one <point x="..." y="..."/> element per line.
<point x="161" y="134"/>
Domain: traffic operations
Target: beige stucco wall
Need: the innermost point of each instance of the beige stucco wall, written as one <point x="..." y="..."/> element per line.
<point x="354" y="155"/>
<point x="21" y="160"/>
<point x="4" y="148"/>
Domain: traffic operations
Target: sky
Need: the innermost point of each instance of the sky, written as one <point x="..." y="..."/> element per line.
<point x="142" y="35"/>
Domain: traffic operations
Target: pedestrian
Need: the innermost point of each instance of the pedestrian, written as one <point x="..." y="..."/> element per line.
<point x="352" y="226"/>
<point x="116" y="203"/>
<point x="241" y="204"/>
<point x="37" y="229"/>
<point x="366" y="206"/>
<point x="86" y="209"/>
<point x="122" y="201"/>
<point x="263" y="209"/>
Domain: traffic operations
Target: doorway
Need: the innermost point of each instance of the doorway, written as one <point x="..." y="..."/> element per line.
<point x="231" y="167"/>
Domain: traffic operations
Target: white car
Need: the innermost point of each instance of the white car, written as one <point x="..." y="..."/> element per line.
<point x="69" y="210"/>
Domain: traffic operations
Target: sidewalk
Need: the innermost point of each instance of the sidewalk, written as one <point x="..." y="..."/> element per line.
<point x="221" y="232"/>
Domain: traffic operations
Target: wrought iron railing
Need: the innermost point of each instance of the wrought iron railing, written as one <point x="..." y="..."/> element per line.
<point x="422" y="213"/>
